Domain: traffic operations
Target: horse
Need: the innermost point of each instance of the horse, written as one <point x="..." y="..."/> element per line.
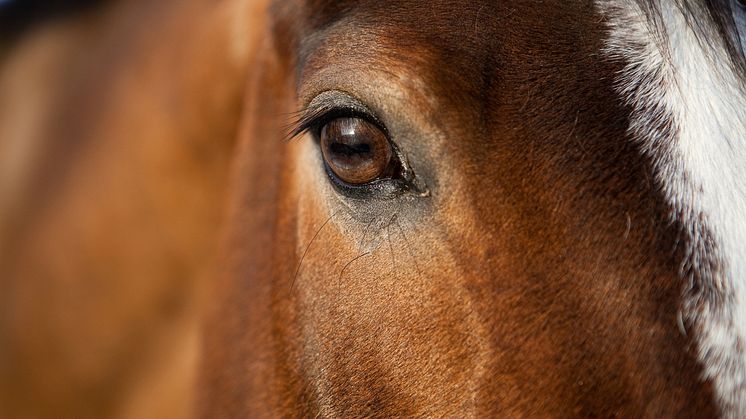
<point x="357" y="208"/>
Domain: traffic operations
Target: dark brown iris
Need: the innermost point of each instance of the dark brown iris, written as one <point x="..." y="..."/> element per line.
<point x="355" y="150"/>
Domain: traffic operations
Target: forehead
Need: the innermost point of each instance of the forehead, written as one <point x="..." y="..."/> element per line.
<point x="454" y="21"/>
<point x="462" y="50"/>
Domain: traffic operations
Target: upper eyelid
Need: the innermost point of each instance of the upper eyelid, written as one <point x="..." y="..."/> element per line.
<point x="329" y="104"/>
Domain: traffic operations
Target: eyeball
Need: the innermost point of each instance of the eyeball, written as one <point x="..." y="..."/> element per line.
<point x="356" y="151"/>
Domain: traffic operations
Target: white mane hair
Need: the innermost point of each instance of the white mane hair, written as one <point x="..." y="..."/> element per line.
<point x="685" y="80"/>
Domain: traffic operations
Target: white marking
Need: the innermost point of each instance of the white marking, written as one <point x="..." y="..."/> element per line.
<point x="701" y="164"/>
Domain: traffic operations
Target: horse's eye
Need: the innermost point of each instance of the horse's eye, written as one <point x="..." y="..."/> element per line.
<point x="356" y="151"/>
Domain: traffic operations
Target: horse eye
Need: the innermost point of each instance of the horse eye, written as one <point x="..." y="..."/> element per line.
<point x="356" y="151"/>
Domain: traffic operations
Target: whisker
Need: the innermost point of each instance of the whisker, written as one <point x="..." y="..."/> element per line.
<point x="339" y="280"/>
<point x="305" y="252"/>
<point x="365" y="232"/>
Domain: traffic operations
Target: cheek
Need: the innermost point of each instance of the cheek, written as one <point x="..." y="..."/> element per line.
<point x="382" y="298"/>
<point x="391" y="315"/>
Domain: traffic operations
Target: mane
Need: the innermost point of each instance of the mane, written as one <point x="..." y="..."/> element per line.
<point x="714" y="21"/>
<point x="18" y="16"/>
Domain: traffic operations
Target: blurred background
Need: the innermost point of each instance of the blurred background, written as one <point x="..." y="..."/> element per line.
<point x="117" y="124"/>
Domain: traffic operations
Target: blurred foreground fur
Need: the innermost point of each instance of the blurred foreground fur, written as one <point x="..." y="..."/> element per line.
<point x="116" y="126"/>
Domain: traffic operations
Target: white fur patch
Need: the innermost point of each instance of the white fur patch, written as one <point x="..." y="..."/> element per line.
<point x="690" y="118"/>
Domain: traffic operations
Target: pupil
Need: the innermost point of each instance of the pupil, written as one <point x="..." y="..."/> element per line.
<point x="350" y="149"/>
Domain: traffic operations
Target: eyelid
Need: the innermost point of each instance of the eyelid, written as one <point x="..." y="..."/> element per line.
<point x="332" y="104"/>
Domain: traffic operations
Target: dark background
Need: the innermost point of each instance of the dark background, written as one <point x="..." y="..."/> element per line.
<point x="16" y="16"/>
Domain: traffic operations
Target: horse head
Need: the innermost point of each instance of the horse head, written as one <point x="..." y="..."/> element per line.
<point x="486" y="208"/>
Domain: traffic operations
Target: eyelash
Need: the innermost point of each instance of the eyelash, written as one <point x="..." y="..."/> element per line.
<point x="313" y="120"/>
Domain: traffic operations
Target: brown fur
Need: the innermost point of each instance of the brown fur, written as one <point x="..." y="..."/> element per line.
<point x="108" y="228"/>
<point x="539" y="278"/>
